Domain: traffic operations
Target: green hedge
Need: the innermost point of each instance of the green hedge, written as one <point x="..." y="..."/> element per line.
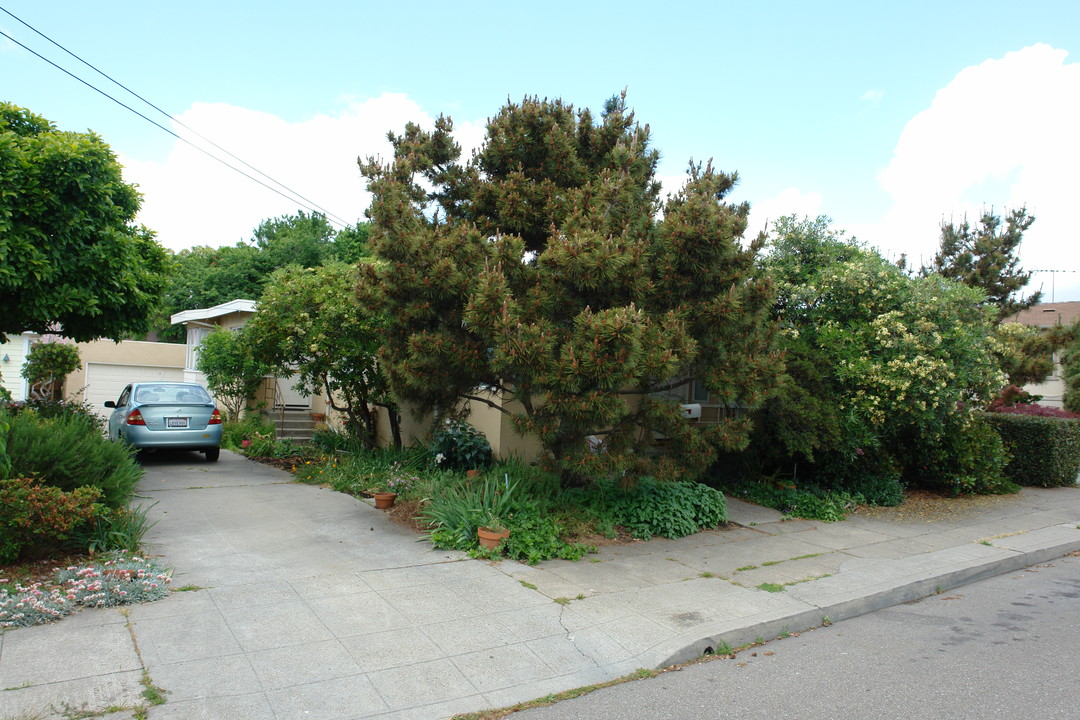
<point x="1044" y="451"/>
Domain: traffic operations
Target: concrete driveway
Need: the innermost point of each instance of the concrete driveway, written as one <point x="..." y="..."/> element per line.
<point x="293" y="601"/>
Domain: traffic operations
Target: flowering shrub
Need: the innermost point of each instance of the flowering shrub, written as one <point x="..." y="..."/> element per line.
<point x="1036" y="410"/>
<point x="400" y="480"/>
<point x="35" y="516"/>
<point x="123" y="579"/>
<point x="457" y="445"/>
<point x="880" y="362"/>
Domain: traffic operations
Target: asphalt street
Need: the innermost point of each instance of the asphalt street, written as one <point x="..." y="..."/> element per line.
<point x="1003" y="647"/>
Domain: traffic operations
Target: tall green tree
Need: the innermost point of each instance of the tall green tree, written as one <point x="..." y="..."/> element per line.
<point x="205" y="276"/>
<point x="48" y="364"/>
<point x="546" y="278"/>
<point x="985" y="256"/>
<point x="310" y="324"/>
<point x="233" y="372"/>
<point x="1025" y="353"/>
<point x="70" y="253"/>
<point x="1068" y="341"/>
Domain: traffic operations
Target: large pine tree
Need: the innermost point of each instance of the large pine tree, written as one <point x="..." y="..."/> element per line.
<point x="545" y="277"/>
<point x="985" y="257"/>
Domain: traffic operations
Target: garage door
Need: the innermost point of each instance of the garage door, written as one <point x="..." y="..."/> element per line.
<point x="105" y="381"/>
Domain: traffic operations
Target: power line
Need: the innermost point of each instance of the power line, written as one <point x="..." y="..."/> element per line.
<point x="309" y="204"/>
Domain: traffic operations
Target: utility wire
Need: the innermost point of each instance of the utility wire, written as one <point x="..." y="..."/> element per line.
<point x="311" y="204"/>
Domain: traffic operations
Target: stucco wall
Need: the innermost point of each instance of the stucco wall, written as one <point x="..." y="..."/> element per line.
<point x="127" y="352"/>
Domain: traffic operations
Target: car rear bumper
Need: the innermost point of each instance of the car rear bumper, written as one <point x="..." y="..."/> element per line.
<point x="141" y="437"/>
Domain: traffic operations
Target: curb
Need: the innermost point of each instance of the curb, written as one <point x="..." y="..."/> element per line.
<point x="828" y="599"/>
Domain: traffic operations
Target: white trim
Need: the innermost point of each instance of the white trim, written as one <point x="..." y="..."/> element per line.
<point x="26" y="351"/>
<point x="233" y="306"/>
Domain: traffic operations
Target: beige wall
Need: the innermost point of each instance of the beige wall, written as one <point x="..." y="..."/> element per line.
<point x="496" y="426"/>
<point x="126" y="352"/>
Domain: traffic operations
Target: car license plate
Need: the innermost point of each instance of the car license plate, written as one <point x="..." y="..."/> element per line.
<point x="176" y="422"/>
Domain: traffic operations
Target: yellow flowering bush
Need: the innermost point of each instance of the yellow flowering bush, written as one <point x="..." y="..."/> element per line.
<point x="895" y="365"/>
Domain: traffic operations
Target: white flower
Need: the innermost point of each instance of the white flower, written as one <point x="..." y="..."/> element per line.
<point x="439" y="458"/>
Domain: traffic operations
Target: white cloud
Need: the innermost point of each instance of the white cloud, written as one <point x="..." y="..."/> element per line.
<point x="190" y="199"/>
<point x="791" y="201"/>
<point x="873" y="96"/>
<point x="1002" y="134"/>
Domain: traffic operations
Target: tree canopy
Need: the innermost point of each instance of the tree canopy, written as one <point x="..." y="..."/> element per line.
<point x="984" y="256"/>
<point x="206" y="276"/>
<point x="70" y="254"/>
<point x="541" y="278"/>
<point x="233" y="373"/>
<point x="311" y="325"/>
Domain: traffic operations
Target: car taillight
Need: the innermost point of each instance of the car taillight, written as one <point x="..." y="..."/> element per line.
<point x="135" y="418"/>
<point x="215" y="418"/>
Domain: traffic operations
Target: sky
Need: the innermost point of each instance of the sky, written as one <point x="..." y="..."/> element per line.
<point x="887" y="117"/>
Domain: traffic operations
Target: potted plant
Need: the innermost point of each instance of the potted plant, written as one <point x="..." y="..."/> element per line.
<point x="492" y="531"/>
<point x="397" y="481"/>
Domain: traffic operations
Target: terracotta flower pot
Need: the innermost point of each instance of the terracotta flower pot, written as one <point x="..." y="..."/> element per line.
<point x="491" y="538"/>
<point x="384" y="500"/>
<point x="472" y="473"/>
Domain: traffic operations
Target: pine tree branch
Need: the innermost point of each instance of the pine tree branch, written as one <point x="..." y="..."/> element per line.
<point x="489" y="403"/>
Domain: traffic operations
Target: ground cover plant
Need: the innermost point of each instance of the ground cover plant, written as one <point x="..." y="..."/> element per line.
<point x="449" y="489"/>
<point x="115" y="579"/>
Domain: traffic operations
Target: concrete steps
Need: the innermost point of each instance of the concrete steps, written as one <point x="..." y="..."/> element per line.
<point x="295" y="425"/>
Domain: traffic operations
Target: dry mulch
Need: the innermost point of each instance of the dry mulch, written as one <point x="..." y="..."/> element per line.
<point x="929" y="506"/>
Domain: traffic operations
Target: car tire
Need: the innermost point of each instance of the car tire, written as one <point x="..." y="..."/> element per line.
<point x="212" y="454"/>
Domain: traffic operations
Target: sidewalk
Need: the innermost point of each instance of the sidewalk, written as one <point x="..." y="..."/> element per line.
<point x="305" y="603"/>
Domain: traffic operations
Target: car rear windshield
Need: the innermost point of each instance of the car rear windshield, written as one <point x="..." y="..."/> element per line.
<point x="171" y="394"/>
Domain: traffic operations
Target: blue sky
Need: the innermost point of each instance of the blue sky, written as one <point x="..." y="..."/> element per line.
<point x="885" y="116"/>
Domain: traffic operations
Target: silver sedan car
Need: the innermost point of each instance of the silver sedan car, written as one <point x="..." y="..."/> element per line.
<point x="167" y="416"/>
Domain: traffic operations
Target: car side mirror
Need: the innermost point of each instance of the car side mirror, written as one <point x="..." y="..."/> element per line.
<point x="110" y="404"/>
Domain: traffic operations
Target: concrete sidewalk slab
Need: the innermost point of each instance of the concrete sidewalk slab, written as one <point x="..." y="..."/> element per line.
<point x="302" y="602"/>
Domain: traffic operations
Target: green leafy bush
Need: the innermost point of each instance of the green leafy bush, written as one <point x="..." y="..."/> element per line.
<point x="535" y="537"/>
<point x="1045" y="452"/>
<point x="457" y="445"/>
<point x="234" y="432"/>
<point x="968" y="456"/>
<point x="810" y="502"/>
<point x="455" y="514"/>
<point x="68" y="452"/>
<point x="47" y="408"/>
<point x="884" y="489"/>
<point x="36" y="518"/>
<point x="49" y="362"/>
<point x="668" y="509"/>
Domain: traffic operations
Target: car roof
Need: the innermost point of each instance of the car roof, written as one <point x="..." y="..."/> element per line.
<point x="167" y="383"/>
